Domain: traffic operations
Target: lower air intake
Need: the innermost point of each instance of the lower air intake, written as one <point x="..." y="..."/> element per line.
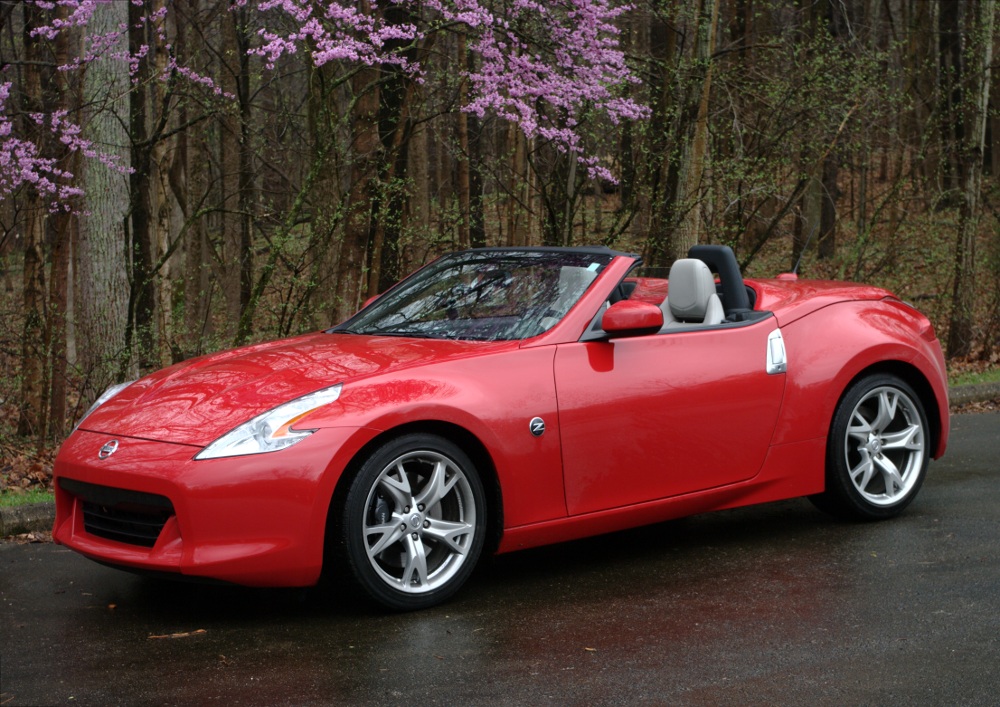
<point x="130" y="517"/>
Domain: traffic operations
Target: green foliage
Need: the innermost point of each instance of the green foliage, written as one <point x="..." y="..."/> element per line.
<point x="16" y="497"/>
<point x="974" y="377"/>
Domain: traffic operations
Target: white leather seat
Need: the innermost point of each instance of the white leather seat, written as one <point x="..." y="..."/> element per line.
<point x="691" y="300"/>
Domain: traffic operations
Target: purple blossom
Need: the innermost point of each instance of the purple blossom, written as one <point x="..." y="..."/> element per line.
<point x="574" y="64"/>
<point x="543" y="64"/>
<point x="21" y="163"/>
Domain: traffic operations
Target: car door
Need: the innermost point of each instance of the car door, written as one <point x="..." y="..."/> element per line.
<point x="661" y="415"/>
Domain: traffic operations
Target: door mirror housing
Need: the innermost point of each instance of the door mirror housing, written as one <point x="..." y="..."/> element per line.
<point x="631" y="318"/>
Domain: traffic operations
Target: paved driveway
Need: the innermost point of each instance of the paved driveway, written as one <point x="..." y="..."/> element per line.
<point x="769" y="605"/>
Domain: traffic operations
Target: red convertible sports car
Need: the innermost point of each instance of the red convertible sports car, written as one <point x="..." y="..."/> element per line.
<point x="500" y="399"/>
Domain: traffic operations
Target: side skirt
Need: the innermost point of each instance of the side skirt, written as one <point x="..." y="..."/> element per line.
<point x="790" y="470"/>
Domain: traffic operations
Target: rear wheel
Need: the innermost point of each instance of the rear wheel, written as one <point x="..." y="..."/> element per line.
<point x="414" y="522"/>
<point x="877" y="451"/>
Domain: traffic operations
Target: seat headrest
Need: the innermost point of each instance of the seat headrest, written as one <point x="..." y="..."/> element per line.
<point x="691" y="286"/>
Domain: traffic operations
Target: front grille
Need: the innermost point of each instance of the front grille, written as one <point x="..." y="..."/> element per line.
<point x="130" y="517"/>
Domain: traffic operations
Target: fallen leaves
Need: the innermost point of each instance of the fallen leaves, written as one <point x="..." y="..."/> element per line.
<point x="183" y="634"/>
<point x="25" y="468"/>
<point x="979" y="406"/>
<point x="37" y="536"/>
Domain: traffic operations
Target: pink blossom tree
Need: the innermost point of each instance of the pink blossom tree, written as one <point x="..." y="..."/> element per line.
<point x="551" y="68"/>
<point x="541" y="64"/>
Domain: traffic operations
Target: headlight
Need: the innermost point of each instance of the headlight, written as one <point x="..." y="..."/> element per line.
<point x="104" y="397"/>
<point x="272" y="430"/>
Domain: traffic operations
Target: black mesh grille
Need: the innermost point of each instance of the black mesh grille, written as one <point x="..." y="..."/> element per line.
<point x="125" y="516"/>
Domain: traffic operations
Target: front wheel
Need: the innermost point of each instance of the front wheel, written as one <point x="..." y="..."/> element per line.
<point x="877" y="451"/>
<point x="414" y="522"/>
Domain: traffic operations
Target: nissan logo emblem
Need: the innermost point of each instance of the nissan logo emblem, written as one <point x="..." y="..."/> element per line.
<point x="537" y="426"/>
<point x="108" y="449"/>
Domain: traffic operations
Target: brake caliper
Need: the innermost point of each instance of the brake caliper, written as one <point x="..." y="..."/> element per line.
<point x="381" y="510"/>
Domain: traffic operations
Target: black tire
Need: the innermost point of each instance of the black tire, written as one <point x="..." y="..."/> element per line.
<point x="413" y="522"/>
<point x="877" y="451"/>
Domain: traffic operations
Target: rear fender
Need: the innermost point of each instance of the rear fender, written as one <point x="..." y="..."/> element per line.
<point x="830" y="348"/>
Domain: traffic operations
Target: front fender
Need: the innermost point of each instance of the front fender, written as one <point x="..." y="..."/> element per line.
<point x="491" y="397"/>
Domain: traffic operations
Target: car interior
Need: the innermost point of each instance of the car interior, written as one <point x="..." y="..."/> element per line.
<point x="696" y="298"/>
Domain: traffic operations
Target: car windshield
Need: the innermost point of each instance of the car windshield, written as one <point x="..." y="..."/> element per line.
<point x="488" y="295"/>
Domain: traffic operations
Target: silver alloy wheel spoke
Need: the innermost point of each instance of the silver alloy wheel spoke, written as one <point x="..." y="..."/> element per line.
<point x="884" y="445"/>
<point x="904" y="439"/>
<point x="862" y="429"/>
<point x="397" y="487"/>
<point x="420" y="521"/>
<point x="866" y="470"/>
<point x="415" y="569"/>
<point x="390" y="534"/>
<point x="886" y="410"/>
<point x="890" y="475"/>
<point x="448" y="533"/>
<point x="438" y="486"/>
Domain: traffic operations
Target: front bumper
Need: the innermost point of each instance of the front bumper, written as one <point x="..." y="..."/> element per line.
<point x="257" y="520"/>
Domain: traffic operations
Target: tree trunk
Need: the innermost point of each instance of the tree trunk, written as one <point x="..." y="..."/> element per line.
<point x="33" y="355"/>
<point x="827" y="245"/>
<point x="678" y="42"/>
<point x="811" y="218"/>
<point x="517" y="192"/>
<point x="464" y="176"/>
<point x="477" y="221"/>
<point x="63" y="228"/>
<point x="243" y="231"/>
<point x="828" y="206"/>
<point x="472" y="230"/>
<point x="237" y="259"/>
<point x="396" y="98"/>
<point x="571" y="201"/>
<point x="245" y="177"/>
<point x="166" y="163"/>
<point x="418" y="169"/>
<point x="923" y="73"/>
<point x="31" y="421"/>
<point x="383" y="270"/>
<point x="357" y="230"/>
<point x="189" y="184"/>
<point x="103" y="247"/>
<point x="952" y="78"/>
<point x="139" y="330"/>
<point x="695" y="152"/>
<point x="961" y="331"/>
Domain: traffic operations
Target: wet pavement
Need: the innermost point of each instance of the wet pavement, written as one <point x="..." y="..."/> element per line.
<point x="770" y="605"/>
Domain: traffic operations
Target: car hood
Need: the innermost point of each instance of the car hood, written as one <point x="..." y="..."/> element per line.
<point x="197" y="401"/>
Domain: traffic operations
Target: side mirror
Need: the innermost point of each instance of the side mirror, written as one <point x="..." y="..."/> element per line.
<point x="370" y="300"/>
<point x="632" y="318"/>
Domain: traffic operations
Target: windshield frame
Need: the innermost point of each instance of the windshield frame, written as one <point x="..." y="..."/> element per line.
<point x="528" y="309"/>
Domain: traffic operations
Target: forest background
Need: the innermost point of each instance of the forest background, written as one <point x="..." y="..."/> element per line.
<point x="182" y="176"/>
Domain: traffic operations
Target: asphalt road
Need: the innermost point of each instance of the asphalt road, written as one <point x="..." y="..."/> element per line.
<point x="770" y="605"/>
